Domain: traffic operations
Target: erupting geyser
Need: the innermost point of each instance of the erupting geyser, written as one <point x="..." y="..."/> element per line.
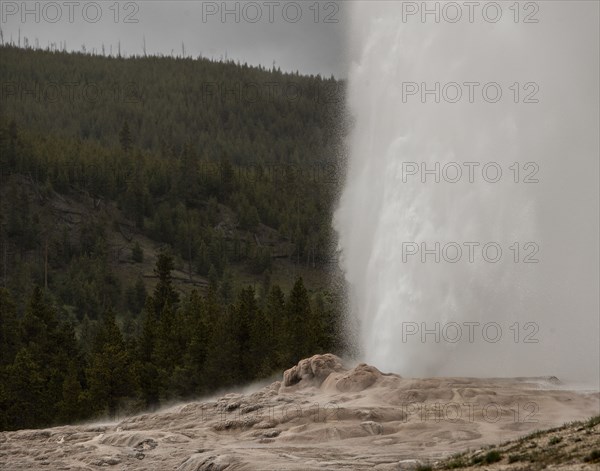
<point x="468" y="224"/>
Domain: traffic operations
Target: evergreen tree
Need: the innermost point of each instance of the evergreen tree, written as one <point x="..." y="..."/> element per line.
<point x="300" y="324"/>
<point x="188" y="376"/>
<point x="328" y="315"/>
<point x="164" y="292"/>
<point x="222" y="359"/>
<point x="70" y="407"/>
<point x="9" y="328"/>
<point x="275" y="314"/>
<point x="248" y="358"/>
<point x="156" y="336"/>
<point x="109" y="374"/>
<point x="169" y="349"/>
<point x="87" y="333"/>
<point x="262" y="346"/>
<point x="50" y="345"/>
<point x="25" y="404"/>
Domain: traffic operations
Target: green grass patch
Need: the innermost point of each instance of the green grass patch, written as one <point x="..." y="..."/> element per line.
<point x="593" y="457"/>
<point x="516" y="458"/>
<point x="492" y="457"/>
<point x="455" y="463"/>
<point x="554" y="440"/>
<point x="593" y="422"/>
<point x="489" y="458"/>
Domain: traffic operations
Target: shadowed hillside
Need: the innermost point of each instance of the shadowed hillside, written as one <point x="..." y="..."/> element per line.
<point x="162" y="220"/>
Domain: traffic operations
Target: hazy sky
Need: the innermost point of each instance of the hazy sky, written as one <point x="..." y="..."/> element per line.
<point x="305" y="35"/>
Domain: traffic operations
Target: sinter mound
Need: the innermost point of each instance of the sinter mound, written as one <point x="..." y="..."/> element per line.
<point x="322" y="416"/>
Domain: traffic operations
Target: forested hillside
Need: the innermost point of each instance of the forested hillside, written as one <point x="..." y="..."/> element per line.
<point x="165" y="229"/>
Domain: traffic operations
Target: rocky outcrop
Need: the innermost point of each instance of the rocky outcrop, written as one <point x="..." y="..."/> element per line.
<point x="357" y="379"/>
<point x="312" y="371"/>
<point x="328" y="372"/>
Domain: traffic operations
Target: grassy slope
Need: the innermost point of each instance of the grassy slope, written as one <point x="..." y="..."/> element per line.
<point x="573" y="446"/>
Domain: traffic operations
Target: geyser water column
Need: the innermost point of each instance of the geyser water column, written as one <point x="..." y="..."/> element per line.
<point x="468" y="223"/>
